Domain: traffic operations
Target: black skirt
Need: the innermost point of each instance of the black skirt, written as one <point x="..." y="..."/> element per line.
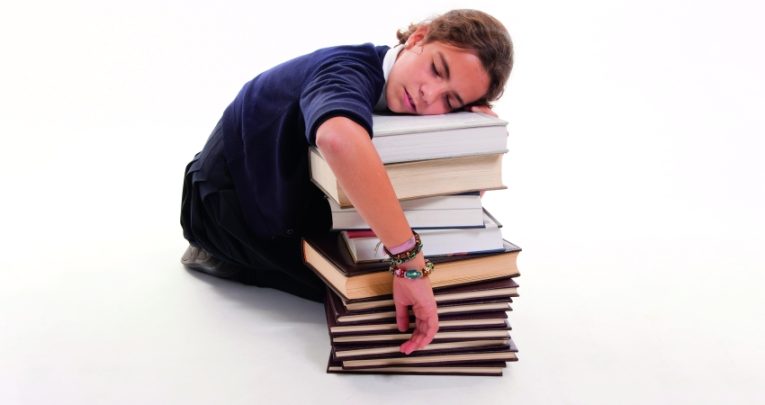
<point x="212" y="219"/>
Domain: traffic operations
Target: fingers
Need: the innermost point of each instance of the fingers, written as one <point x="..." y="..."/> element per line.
<point x="426" y="328"/>
<point x="483" y="109"/>
<point x="402" y="317"/>
<point x="410" y="345"/>
<point x="430" y="331"/>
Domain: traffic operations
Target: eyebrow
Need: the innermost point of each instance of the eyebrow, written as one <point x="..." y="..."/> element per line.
<point x="447" y="74"/>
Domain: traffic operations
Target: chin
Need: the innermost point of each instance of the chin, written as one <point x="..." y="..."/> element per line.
<point x="395" y="109"/>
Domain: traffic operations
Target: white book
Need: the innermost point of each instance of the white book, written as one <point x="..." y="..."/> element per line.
<point x="448" y="211"/>
<point x="364" y="246"/>
<point x="404" y="138"/>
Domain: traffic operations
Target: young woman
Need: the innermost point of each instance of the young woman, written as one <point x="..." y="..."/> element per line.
<point x="247" y="196"/>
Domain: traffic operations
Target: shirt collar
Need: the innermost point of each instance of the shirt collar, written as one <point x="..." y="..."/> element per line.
<point x="387" y="65"/>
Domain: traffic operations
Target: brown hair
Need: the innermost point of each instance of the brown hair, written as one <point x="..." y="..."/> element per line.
<point x="476" y="31"/>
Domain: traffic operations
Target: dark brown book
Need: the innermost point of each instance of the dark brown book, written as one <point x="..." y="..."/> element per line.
<point x="329" y="258"/>
<point x="443" y="336"/>
<point x="469" y="369"/>
<point x="381" y="351"/>
<point x="491" y="289"/>
<point x="487" y="320"/>
<point x="341" y="316"/>
<point x="420" y="357"/>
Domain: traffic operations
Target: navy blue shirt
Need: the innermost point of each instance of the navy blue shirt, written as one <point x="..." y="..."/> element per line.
<point x="269" y="126"/>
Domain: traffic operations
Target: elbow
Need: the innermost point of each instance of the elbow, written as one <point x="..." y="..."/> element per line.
<point x="327" y="140"/>
<point x="335" y="136"/>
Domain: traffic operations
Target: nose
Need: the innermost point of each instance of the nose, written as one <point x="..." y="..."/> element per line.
<point x="432" y="92"/>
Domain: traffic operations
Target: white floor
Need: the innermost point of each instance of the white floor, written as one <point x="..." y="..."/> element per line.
<point x="636" y="186"/>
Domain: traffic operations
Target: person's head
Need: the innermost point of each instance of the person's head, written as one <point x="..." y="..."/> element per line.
<point x="456" y="60"/>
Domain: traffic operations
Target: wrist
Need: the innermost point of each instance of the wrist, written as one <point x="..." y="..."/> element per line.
<point x="416" y="263"/>
<point x="406" y="251"/>
<point x="400" y="271"/>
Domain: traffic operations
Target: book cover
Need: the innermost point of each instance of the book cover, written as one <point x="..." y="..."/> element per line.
<point x="446" y="336"/>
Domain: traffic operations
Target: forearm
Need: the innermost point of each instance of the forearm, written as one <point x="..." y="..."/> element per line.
<point x="350" y="154"/>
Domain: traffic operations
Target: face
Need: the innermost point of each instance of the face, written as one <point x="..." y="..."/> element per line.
<point x="434" y="78"/>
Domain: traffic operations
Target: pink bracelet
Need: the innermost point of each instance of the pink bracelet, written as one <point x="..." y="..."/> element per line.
<point x="407" y="245"/>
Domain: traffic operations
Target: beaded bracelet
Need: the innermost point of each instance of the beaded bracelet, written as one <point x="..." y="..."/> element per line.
<point x="412" y="274"/>
<point x="403" y="257"/>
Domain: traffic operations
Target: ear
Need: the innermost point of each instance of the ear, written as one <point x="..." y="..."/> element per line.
<point x="417" y="36"/>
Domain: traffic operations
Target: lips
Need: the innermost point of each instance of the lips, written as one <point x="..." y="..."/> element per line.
<point x="409" y="102"/>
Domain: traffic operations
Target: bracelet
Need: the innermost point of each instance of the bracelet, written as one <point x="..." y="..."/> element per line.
<point x="413" y="274"/>
<point x="403" y="257"/>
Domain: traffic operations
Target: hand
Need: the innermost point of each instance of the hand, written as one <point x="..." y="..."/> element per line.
<point x="419" y="294"/>
<point x="485" y="109"/>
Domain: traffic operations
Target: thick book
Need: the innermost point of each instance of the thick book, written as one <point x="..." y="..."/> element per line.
<point x="365" y="246"/>
<point x="446" y="211"/>
<point x="420" y="357"/>
<point x="402" y="138"/>
<point x="327" y="255"/>
<point x="500" y="288"/>
<point x="422" y="178"/>
<point x="469" y="369"/>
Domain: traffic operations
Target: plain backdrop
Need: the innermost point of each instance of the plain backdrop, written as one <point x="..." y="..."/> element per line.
<point x="636" y="187"/>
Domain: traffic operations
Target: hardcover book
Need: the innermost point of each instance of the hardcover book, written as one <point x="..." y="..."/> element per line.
<point x="440" y="337"/>
<point x="402" y="138"/>
<point x="327" y="256"/>
<point x="422" y="178"/>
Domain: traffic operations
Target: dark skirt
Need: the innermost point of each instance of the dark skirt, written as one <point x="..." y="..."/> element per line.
<point x="212" y="219"/>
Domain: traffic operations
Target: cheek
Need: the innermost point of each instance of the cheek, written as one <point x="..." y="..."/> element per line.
<point x="391" y="98"/>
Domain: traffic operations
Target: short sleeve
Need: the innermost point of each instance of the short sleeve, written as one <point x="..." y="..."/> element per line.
<point x="347" y="84"/>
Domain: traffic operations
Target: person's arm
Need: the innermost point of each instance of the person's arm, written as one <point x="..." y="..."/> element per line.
<point x="347" y="149"/>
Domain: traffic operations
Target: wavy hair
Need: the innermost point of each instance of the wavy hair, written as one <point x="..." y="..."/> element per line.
<point x="478" y="32"/>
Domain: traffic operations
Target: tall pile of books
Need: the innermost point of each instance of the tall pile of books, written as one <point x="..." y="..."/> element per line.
<point x="438" y="166"/>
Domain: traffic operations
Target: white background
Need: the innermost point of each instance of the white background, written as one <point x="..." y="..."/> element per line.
<point x="635" y="186"/>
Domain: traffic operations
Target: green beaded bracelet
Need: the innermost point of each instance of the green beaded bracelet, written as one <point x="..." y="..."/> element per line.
<point x="412" y="274"/>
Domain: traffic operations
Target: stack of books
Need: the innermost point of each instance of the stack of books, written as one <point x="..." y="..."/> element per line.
<point x="438" y="166"/>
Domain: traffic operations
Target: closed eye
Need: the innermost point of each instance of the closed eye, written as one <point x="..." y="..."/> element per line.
<point x="448" y="102"/>
<point x="434" y="70"/>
